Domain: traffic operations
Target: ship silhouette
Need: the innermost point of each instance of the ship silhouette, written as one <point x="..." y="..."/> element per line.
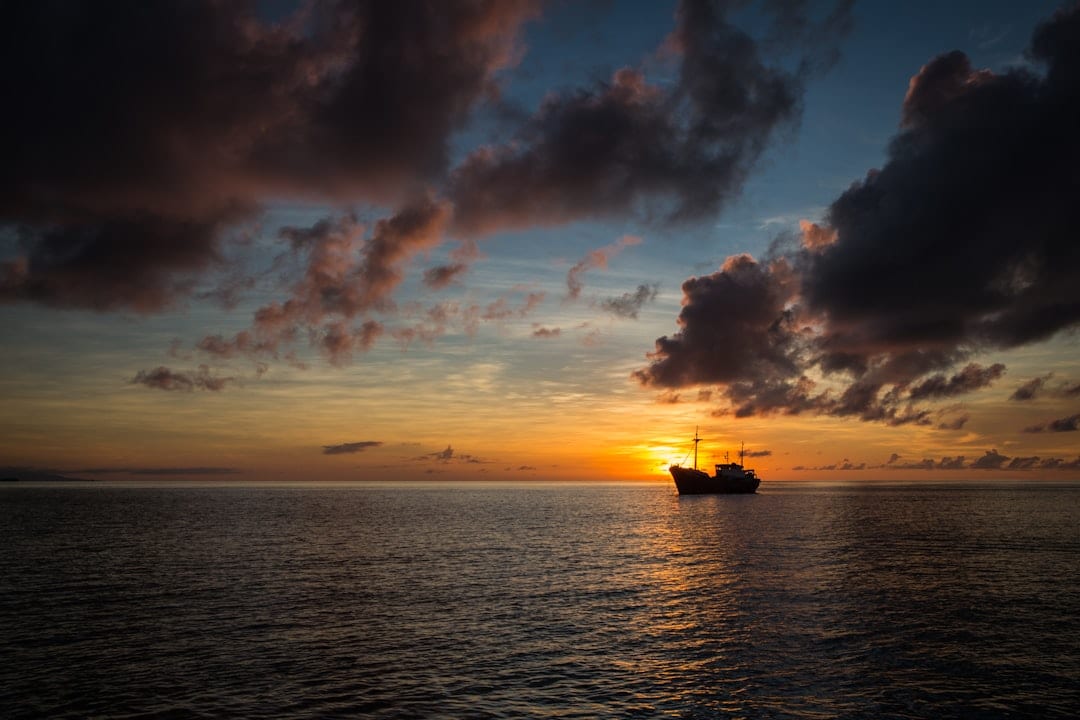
<point x="730" y="479"/>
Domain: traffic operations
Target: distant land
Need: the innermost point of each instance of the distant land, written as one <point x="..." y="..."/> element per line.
<point x="22" y="474"/>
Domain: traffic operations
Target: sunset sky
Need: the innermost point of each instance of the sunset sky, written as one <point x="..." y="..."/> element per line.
<point x="518" y="240"/>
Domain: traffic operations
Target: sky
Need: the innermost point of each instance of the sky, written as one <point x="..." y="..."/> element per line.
<point x="524" y="240"/>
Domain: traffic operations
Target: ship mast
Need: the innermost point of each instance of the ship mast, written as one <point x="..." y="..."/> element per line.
<point x="696" y="441"/>
<point x="742" y="454"/>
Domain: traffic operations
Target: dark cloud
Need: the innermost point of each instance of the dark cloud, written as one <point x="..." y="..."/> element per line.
<point x="1060" y="464"/>
<point x="1065" y="424"/>
<point x="628" y="305"/>
<point x="971" y="378"/>
<point x="350" y="448"/>
<point x="735" y="327"/>
<point x="974" y="246"/>
<point x="991" y="460"/>
<point x="544" y="332"/>
<point x="138" y="133"/>
<point x="141" y="134"/>
<point x="952" y="463"/>
<point x="1023" y="463"/>
<point x="687" y="146"/>
<point x="1030" y="389"/>
<point x="110" y="262"/>
<point x="925" y="464"/>
<point x="758" y="453"/>
<point x="163" y="378"/>
<point x="962" y="243"/>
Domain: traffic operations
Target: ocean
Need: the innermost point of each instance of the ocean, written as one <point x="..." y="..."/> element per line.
<point x="539" y="600"/>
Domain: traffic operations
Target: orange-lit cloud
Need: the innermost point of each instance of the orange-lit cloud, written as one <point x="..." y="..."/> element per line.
<point x="816" y="237"/>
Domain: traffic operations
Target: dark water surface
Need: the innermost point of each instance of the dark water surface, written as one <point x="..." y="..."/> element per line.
<point x="504" y="600"/>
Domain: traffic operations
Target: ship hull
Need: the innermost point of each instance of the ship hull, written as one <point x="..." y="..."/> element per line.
<point x="689" y="481"/>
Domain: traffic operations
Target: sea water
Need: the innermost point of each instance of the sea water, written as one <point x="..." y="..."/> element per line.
<point x="500" y="600"/>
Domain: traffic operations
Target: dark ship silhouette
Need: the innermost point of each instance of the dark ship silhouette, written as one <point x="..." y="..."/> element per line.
<point x="730" y="478"/>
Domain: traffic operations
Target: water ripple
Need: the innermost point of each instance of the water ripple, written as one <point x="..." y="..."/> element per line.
<point x="449" y="601"/>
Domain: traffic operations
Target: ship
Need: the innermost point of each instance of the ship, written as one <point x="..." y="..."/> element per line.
<point x="730" y="478"/>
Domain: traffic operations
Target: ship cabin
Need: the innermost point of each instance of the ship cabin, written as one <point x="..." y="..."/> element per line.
<point x="731" y="467"/>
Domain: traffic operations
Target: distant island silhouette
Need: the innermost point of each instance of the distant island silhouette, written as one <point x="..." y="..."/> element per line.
<point x="21" y="474"/>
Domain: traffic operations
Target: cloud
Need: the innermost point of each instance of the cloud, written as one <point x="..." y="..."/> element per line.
<point x="500" y="309"/>
<point x="628" y="305"/>
<point x="461" y="258"/>
<point x="350" y="447"/>
<point x="141" y="137"/>
<point x="874" y="322"/>
<point x="1023" y="463"/>
<point x="734" y="327"/>
<point x="125" y="194"/>
<point x="815" y="237"/>
<point x="971" y="378"/>
<point x="449" y="455"/>
<point x="1030" y="389"/>
<point x="685" y="147"/>
<point x="163" y="378"/>
<point x="346" y="273"/>
<point x="543" y="332"/>
<point x="139" y="261"/>
<point x="595" y="259"/>
<point x="1065" y="424"/>
<point x="981" y="159"/>
<point x="1037" y="387"/>
<point x="956" y="423"/>
<point x="991" y="460"/>
<point x="444" y="275"/>
<point x="758" y="453"/>
<point x="338" y="340"/>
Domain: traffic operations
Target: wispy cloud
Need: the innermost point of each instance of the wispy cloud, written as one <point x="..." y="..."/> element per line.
<point x="1065" y="424"/>
<point x="628" y="305"/>
<point x="163" y="378"/>
<point x="599" y="258"/>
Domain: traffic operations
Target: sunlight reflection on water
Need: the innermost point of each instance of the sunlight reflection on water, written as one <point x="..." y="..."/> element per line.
<point x="471" y="600"/>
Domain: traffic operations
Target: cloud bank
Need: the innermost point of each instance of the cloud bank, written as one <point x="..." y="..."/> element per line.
<point x="148" y="140"/>
<point x="148" y="131"/>
<point x="961" y="244"/>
